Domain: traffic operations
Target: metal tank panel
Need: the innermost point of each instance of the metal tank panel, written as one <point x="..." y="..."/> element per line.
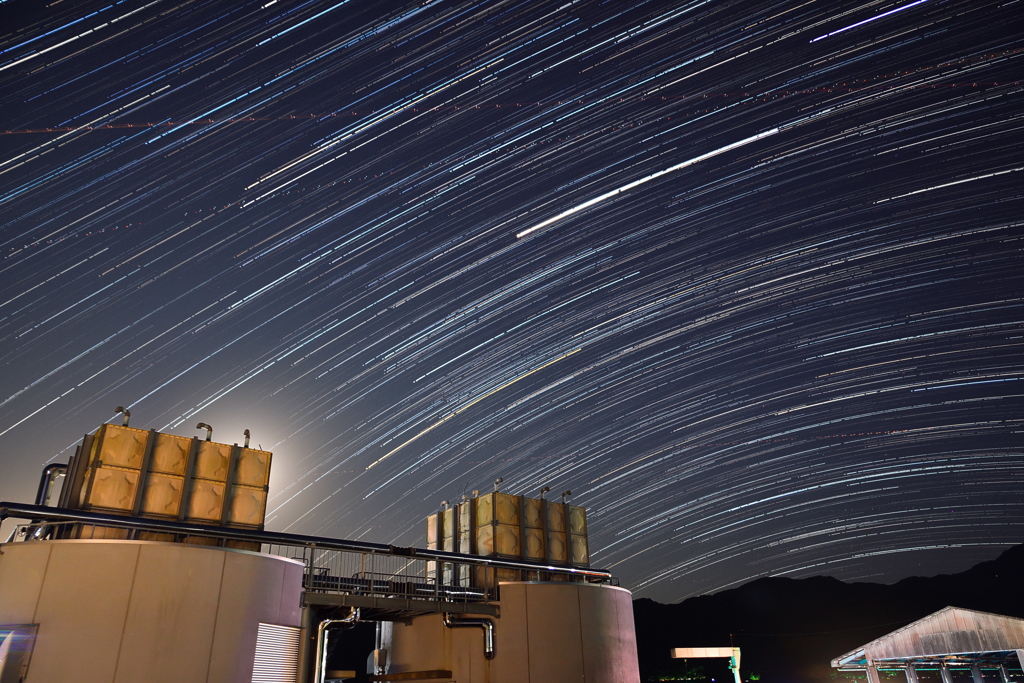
<point x="215" y="483"/>
<point x="514" y="527"/>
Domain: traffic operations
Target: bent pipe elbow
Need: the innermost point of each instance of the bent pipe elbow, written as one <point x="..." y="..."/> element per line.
<point x="486" y="624"/>
<point x="49" y="476"/>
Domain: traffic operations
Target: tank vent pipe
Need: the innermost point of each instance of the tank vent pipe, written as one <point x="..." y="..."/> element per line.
<point x="208" y="428"/>
<point x="127" y="414"/>
<point x="320" y="672"/>
<point x="486" y="624"/>
<point x="49" y="476"/>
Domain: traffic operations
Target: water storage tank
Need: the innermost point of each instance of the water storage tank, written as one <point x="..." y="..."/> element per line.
<point x="546" y="631"/>
<point x="121" y="611"/>
<point x="511" y="527"/>
<point x="127" y="471"/>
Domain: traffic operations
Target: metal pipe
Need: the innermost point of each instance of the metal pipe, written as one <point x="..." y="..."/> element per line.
<point x="379" y="657"/>
<point x="57" y="515"/>
<point x="50" y="474"/>
<point x="246" y="444"/>
<point x="127" y="415"/>
<point x="208" y="428"/>
<point x="305" y="658"/>
<point x="320" y="666"/>
<point x="486" y="624"/>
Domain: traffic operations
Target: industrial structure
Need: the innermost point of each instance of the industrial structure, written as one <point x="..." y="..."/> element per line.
<point x="549" y="624"/>
<point x="730" y="653"/>
<point x="155" y="566"/>
<point x="952" y="638"/>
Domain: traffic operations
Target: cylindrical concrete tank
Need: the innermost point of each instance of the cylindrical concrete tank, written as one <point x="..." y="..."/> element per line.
<point x="129" y="611"/>
<point x="546" y="631"/>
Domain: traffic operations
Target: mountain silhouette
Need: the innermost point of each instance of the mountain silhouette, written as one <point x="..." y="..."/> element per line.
<point x="789" y="630"/>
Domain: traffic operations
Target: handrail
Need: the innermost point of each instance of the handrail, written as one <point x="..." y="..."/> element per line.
<point x="41" y="513"/>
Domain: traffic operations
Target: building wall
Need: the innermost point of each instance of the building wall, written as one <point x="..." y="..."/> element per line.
<point x="130" y="611"/>
<point x="545" y="632"/>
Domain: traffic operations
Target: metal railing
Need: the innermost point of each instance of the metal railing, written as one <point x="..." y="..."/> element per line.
<point x="376" y="574"/>
<point x="332" y="566"/>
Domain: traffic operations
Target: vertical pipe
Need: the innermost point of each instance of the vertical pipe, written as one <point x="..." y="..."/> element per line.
<point x="50" y="474"/>
<point x="320" y="664"/>
<point x="320" y="670"/>
<point x="457" y="542"/>
<point x="307" y="640"/>
<point x="378" y="658"/>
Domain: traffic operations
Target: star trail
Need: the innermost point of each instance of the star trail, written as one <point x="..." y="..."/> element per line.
<point x="747" y="278"/>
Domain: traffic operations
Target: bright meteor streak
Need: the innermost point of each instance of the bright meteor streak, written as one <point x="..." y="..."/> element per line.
<point x="636" y="183"/>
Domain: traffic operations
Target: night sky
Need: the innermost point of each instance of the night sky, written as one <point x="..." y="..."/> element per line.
<point x="746" y="278"/>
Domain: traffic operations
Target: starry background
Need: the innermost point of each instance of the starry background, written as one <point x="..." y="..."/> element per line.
<point x="746" y="278"/>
